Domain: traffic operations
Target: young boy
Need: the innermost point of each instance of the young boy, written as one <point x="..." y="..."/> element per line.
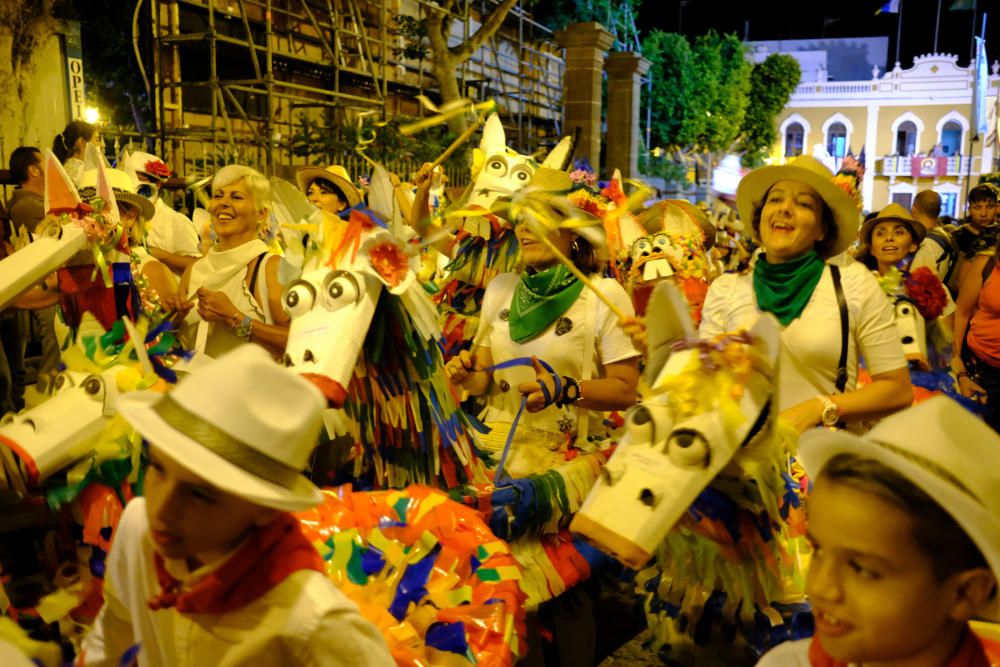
<point x="905" y="526"/>
<point x="979" y="233"/>
<point x="209" y="568"/>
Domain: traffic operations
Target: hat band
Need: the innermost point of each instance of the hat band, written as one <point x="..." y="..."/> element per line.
<point x="930" y="466"/>
<point x="222" y="444"/>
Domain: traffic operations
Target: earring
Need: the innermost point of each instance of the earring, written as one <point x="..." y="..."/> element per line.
<point x="575" y="246"/>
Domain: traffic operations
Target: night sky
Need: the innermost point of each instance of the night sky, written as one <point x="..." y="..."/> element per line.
<point x="810" y="19"/>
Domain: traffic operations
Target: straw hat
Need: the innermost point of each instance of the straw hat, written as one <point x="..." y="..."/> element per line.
<point x="125" y="188"/>
<point x="243" y="423"/>
<point x="895" y="213"/>
<point x="941" y="448"/>
<point x="656" y="217"/>
<point x="147" y="164"/>
<point x="813" y="173"/>
<point x="336" y="174"/>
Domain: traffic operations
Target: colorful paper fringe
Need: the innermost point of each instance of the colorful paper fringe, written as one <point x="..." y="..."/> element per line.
<point x="427" y="571"/>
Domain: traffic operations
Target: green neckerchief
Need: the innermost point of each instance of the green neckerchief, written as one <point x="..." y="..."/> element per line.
<point x="539" y="299"/>
<point x="785" y="289"/>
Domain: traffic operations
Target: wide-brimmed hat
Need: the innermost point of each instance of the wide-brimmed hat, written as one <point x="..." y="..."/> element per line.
<point x="336" y="174"/>
<point x="243" y="423"/>
<point x="657" y="217"/>
<point x="941" y="448"/>
<point x="892" y="213"/>
<point x="124" y="186"/>
<point x="147" y="164"/>
<point x="812" y="172"/>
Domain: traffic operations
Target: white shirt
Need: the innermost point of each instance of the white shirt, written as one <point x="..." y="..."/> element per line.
<point x="562" y="345"/>
<point x="172" y="231"/>
<point x="304" y="620"/>
<point x="811" y="344"/>
<point x="788" y="654"/>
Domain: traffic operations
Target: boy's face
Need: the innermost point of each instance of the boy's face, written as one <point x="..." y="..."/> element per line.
<point x="872" y="588"/>
<point x="983" y="212"/>
<point x="191" y="519"/>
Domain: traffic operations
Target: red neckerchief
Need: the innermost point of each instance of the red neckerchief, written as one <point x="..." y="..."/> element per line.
<point x="970" y="653"/>
<point x="270" y="555"/>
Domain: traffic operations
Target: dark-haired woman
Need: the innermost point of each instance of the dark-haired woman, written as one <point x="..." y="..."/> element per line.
<point x="329" y="189"/>
<point x="804" y="222"/>
<point x="70" y="144"/>
<point x="545" y="312"/>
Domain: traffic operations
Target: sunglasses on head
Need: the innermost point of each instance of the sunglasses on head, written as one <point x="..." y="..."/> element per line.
<point x="147" y="190"/>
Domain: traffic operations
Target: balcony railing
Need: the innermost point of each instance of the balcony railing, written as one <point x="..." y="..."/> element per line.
<point x="908" y="166"/>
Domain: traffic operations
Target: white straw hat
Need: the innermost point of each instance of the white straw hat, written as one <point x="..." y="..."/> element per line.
<point x="945" y="451"/>
<point x="813" y="173"/>
<point x="244" y="423"/>
<point x="336" y="174"/>
<point x="126" y="190"/>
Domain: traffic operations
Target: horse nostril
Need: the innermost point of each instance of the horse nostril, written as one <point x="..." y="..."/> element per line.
<point x="308" y="356"/>
<point x="648" y="498"/>
<point x="287" y="360"/>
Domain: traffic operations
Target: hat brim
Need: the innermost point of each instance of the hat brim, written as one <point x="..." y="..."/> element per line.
<point x="137" y="409"/>
<point x="916" y="229"/>
<point x="754" y="185"/>
<point x="306" y="175"/>
<point x="146" y="208"/>
<point x="818" y="446"/>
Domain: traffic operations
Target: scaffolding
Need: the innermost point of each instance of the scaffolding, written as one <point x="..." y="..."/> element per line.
<point x="233" y="80"/>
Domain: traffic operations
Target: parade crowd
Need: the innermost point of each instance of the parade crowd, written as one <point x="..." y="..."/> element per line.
<point x="501" y="357"/>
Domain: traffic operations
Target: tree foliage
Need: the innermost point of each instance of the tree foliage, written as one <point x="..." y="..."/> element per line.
<point x="25" y="27"/>
<point x="431" y="34"/>
<point x="557" y="14"/>
<point x="707" y="99"/>
<point x="772" y="83"/>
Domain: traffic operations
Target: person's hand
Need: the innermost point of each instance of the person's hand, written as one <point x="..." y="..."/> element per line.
<point x="425" y="175"/>
<point x="970" y="389"/>
<point x="216" y="307"/>
<point x="536" y="399"/>
<point x="459" y="368"/>
<point x="805" y="415"/>
<point x="635" y="328"/>
<point x="176" y="305"/>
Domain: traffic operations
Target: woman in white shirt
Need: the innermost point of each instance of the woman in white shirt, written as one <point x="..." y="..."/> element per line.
<point x="804" y="223"/>
<point x="546" y="313"/>
<point x="235" y="285"/>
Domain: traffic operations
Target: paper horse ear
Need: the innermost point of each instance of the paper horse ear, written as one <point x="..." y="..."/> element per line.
<point x="106" y="192"/>
<point x="93" y="157"/>
<point x="60" y="193"/>
<point x="494" y="141"/>
<point x="559" y="157"/>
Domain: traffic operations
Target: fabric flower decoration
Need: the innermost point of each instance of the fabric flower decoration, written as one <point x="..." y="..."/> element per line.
<point x="390" y="262"/>
<point x="849" y="184"/>
<point x="926" y="291"/>
<point x="157" y="168"/>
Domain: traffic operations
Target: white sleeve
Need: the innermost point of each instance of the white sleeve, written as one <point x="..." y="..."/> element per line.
<point x="186" y="239"/>
<point x="789" y="654"/>
<point x="717" y="304"/>
<point x="612" y="343"/>
<point x="112" y="633"/>
<point x="929" y="254"/>
<point x="876" y="334"/>
<point x="343" y="638"/>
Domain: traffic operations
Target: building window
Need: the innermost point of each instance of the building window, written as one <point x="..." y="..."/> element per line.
<point x="906" y="138"/>
<point x="951" y="138"/>
<point x="836" y="140"/>
<point x="948" y="203"/>
<point x="904" y="199"/>
<point x="794" y="138"/>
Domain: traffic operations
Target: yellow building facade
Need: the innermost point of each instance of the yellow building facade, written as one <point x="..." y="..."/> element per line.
<point x="913" y="125"/>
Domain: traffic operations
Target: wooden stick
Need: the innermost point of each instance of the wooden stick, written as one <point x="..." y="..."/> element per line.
<point x="582" y="278"/>
<point x="459" y="140"/>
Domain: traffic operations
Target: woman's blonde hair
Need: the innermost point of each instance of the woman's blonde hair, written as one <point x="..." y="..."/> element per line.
<point x="257" y="184"/>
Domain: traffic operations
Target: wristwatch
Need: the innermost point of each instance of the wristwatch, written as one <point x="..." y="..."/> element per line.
<point x="831" y="413"/>
<point x="244" y="328"/>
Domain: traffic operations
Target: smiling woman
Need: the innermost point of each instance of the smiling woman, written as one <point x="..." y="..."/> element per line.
<point x="232" y="294"/>
<point x="804" y="222"/>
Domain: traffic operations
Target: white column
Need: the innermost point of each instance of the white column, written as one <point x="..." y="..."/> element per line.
<point x="871" y="154"/>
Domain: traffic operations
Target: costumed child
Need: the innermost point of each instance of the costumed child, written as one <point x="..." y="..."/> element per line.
<point x="905" y="527"/>
<point x="210" y="567"/>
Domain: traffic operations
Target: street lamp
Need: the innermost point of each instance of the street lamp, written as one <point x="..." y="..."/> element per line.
<point x="91" y="115"/>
